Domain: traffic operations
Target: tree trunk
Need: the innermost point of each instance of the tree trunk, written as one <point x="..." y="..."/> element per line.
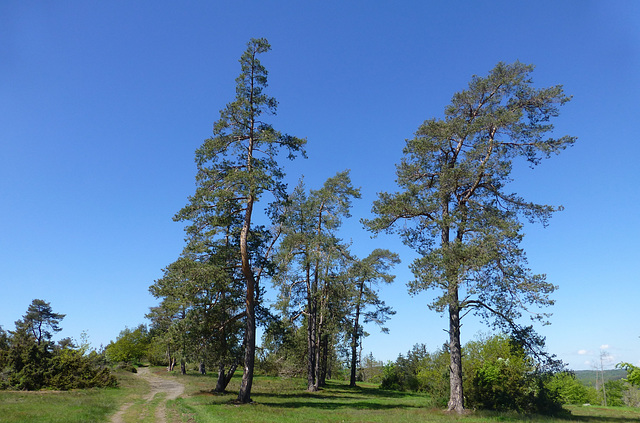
<point x="456" y="398"/>
<point x="172" y="360"/>
<point x="318" y="359"/>
<point x="203" y="370"/>
<point x="224" y="378"/>
<point x="220" y="386"/>
<point x="324" y="363"/>
<point x="183" y="367"/>
<point x="311" y="333"/>
<point x="354" y="339"/>
<point x="244" y="396"/>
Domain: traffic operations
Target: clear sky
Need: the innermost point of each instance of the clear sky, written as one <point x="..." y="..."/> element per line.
<point x="102" y="105"/>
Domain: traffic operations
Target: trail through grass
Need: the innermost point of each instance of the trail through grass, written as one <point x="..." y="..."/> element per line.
<point x="275" y="400"/>
<point x="149" y="405"/>
<point x="80" y="406"/>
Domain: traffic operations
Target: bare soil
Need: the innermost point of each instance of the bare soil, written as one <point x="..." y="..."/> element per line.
<point x="157" y="385"/>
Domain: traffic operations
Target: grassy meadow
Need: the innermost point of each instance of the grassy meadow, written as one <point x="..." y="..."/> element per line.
<point x="76" y="406"/>
<point x="285" y="400"/>
<point x="275" y="400"/>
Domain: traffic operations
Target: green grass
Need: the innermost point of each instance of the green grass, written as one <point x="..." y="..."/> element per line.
<point x="275" y="400"/>
<point x="79" y="406"/>
<point x="285" y="400"/>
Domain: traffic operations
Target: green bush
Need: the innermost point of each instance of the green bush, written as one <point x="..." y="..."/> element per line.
<point x="502" y="377"/>
<point x="29" y="360"/>
<point x="127" y="367"/>
<point x="498" y="375"/>
<point x="71" y="369"/>
<point x="419" y="371"/>
<point x="571" y="391"/>
<point x="131" y="346"/>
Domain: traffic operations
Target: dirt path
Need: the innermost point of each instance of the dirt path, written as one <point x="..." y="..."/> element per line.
<point x="158" y="385"/>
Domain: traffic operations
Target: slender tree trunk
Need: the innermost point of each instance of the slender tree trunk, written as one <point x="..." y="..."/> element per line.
<point x="172" y="360"/>
<point x="311" y="332"/>
<point x="456" y="398"/>
<point x="244" y="396"/>
<point x="324" y="363"/>
<point x="318" y="359"/>
<point x="311" y="355"/>
<point x="354" y="340"/>
<point x="183" y="367"/>
<point x="456" y="395"/>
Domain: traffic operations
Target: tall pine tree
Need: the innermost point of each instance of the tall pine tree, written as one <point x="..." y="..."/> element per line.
<point x="237" y="166"/>
<point x="454" y="209"/>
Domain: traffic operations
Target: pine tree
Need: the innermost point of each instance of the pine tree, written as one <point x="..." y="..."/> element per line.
<point x="237" y="166"/>
<point x="455" y="208"/>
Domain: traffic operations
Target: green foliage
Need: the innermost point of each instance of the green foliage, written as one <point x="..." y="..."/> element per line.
<point x="455" y="210"/>
<point x="311" y="272"/>
<point x="29" y="360"/>
<point x="615" y="390"/>
<point x="131" y="346"/>
<point x="571" y="390"/>
<point x="593" y="377"/>
<point x="371" y="370"/>
<point x="28" y="364"/>
<point x="237" y="166"/>
<point x="71" y="369"/>
<point x="40" y="321"/>
<point x="127" y="367"/>
<point x="499" y="375"/>
<point x="284" y="350"/>
<point x="419" y="371"/>
<point x="633" y="373"/>
<point x="502" y="376"/>
<point x="201" y="302"/>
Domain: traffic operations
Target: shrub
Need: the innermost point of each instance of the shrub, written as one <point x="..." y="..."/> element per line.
<point x="498" y="375"/>
<point x="503" y="377"/>
<point x="571" y="391"/>
<point x="419" y="371"/>
<point x="71" y="369"/>
<point x="131" y="346"/>
<point x="127" y="367"/>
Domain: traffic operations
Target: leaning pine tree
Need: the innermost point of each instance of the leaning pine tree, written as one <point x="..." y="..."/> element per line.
<point x="236" y="167"/>
<point x="454" y="209"/>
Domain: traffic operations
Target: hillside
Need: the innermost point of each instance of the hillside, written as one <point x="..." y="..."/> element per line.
<point x="588" y="377"/>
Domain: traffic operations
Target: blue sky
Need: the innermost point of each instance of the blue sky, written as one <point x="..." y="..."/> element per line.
<point x="102" y="105"/>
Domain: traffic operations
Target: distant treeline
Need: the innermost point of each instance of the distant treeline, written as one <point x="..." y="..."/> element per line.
<point x="588" y="377"/>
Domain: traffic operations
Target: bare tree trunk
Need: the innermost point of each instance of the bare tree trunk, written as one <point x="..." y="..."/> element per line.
<point x="318" y="359"/>
<point x="456" y="398"/>
<point x="172" y="360"/>
<point x="244" y="396"/>
<point x="324" y="345"/>
<point x="354" y="351"/>
<point x="183" y="367"/>
<point x="224" y="378"/>
<point x="354" y="339"/>
<point x="311" y="332"/>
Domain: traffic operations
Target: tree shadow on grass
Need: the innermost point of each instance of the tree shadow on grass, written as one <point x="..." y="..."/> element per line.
<point x="339" y="396"/>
